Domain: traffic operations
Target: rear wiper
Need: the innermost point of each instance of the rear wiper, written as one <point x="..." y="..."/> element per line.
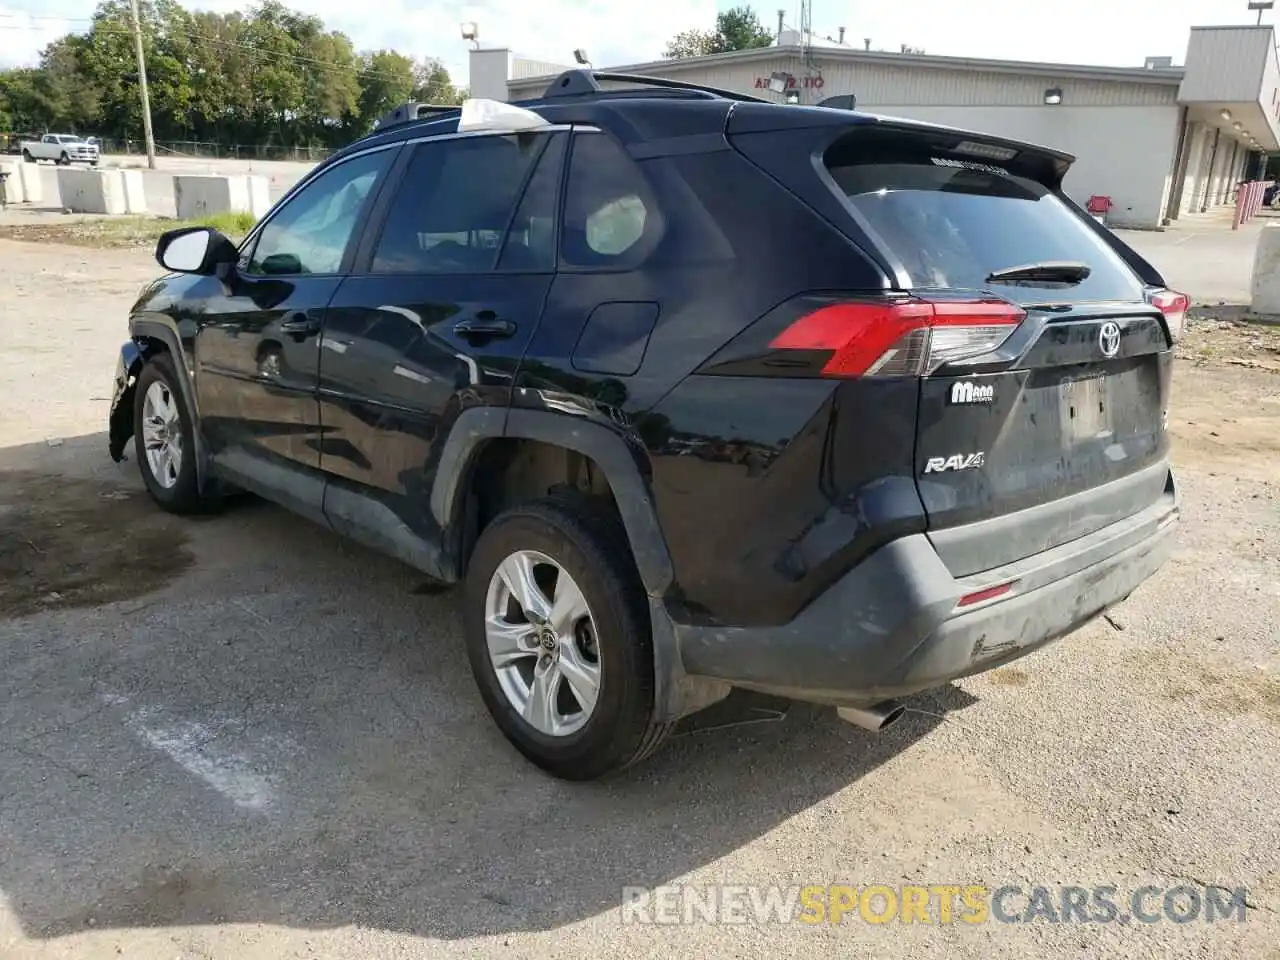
<point x="1048" y="271"/>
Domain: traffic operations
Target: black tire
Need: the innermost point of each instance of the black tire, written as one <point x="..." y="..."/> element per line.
<point x="27" y="157"/>
<point x="184" y="495"/>
<point x="64" y="160"/>
<point x="590" y="544"/>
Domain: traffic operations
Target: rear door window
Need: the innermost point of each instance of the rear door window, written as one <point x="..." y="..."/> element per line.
<point x="455" y="203"/>
<point x="951" y="223"/>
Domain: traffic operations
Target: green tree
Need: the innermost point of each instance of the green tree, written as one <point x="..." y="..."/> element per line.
<point x="268" y="75"/>
<point x="27" y="100"/>
<point x="691" y="43"/>
<point x="434" y="85"/>
<point x="386" y="80"/>
<point x="738" y="28"/>
<point x="74" y="98"/>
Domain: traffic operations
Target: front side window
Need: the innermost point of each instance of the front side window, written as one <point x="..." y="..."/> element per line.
<point x="311" y="232"/>
<point x="454" y="204"/>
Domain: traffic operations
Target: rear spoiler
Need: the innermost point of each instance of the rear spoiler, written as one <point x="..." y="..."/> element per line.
<point x="1044" y="164"/>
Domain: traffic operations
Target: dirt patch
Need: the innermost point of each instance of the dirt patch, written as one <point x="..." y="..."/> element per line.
<point x="73" y="543"/>
<point x="1237" y="343"/>
<point x="100" y="234"/>
<point x="1234" y="694"/>
<point x="1009" y="677"/>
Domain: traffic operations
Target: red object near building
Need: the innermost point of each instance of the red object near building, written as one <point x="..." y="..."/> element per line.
<point x="1099" y="204"/>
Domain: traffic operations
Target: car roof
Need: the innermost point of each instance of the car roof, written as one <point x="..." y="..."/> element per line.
<point x="651" y="108"/>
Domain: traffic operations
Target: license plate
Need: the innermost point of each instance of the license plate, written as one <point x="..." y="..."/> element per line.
<point x="1084" y="410"/>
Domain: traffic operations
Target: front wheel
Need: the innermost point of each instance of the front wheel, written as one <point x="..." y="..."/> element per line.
<point x="27" y="157"/>
<point x="64" y="160"/>
<point x="558" y="636"/>
<point x="163" y="438"/>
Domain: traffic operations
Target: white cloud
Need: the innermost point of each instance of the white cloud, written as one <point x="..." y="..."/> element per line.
<point x="24" y="34"/>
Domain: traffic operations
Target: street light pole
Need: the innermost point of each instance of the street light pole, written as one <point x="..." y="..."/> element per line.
<point x="142" y="86"/>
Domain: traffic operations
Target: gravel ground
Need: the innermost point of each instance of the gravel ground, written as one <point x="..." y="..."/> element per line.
<point x="243" y="737"/>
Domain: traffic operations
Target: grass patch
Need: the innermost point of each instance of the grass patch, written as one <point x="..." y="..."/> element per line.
<point x="123" y="232"/>
<point x="234" y="225"/>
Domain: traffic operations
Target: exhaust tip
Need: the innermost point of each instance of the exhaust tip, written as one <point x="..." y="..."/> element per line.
<point x="875" y="718"/>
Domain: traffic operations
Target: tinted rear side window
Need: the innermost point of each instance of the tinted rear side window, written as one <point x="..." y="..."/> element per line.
<point x="610" y="218"/>
<point x="951" y="226"/>
<point x="454" y="204"/>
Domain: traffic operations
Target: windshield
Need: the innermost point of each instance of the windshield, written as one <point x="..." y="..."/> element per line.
<point x="953" y="224"/>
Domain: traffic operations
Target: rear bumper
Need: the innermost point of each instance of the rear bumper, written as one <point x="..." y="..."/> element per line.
<point x="892" y="627"/>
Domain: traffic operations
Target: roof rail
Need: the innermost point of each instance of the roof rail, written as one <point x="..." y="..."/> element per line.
<point x="413" y="110"/>
<point x="577" y="83"/>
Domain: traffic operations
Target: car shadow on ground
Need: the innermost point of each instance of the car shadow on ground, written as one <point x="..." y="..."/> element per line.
<point x="245" y="719"/>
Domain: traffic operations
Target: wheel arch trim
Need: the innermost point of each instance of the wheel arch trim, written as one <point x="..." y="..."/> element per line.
<point x="163" y="329"/>
<point x="615" y="457"/>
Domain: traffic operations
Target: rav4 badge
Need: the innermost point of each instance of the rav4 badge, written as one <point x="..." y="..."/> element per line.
<point x="959" y="461"/>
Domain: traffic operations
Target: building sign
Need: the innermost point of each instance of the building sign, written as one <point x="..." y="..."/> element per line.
<point x="793" y="83"/>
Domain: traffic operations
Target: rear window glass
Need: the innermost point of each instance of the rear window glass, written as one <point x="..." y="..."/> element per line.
<point x="951" y="224"/>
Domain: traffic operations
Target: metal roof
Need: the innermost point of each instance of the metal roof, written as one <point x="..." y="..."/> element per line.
<point x="1166" y="75"/>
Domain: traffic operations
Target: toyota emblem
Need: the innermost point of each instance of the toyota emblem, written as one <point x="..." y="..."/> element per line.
<point x="1109" y="338"/>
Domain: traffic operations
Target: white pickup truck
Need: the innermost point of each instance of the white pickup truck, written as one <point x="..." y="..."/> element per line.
<point x="60" y="148"/>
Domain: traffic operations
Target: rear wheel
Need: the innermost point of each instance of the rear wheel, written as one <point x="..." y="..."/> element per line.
<point x="163" y="438"/>
<point x="559" y="640"/>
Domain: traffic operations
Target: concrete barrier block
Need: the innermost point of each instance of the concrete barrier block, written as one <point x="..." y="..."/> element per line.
<point x="1266" y="272"/>
<point x="32" y="183"/>
<point x="259" y="196"/>
<point x="13" y="192"/>
<point x="91" y="191"/>
<point x="201" y="195"/>
<point x="135" y="196"/>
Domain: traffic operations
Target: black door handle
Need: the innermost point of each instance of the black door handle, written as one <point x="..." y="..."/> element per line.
<point x="299" y="324"/>
<point x="484" y="325"/>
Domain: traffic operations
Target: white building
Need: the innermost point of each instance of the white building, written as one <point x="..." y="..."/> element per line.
<point x="1158" y="140"/>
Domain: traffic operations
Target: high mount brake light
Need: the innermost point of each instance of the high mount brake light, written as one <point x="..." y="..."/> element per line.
<point x="1174" y="306"/>
<point x="900" y="338"/>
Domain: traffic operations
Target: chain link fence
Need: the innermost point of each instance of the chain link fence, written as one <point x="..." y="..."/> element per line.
<point x="217" y="151"/>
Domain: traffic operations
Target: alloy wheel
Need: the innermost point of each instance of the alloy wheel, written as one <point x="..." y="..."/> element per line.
<point x="542" y="643"/>
<point x="162" y="434"/>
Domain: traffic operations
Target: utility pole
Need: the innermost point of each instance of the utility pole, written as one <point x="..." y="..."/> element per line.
<point x="142" y="86"/>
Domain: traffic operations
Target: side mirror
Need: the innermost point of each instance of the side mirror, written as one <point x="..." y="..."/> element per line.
<point x="194" y="250"/>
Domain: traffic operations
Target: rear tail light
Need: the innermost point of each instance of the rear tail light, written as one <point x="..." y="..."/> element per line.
<point x="989" y="593"/>
<point x="901" y="338"/>
<point x="1174" y="306"/>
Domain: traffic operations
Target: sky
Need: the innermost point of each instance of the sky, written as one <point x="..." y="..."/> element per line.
<point x="1111" y="32"/>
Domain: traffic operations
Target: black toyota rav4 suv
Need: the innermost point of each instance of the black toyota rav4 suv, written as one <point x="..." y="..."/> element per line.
<point x="688" y="390"/>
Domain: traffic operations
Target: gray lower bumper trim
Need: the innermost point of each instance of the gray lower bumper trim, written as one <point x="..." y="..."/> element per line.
<point x="891" y="627"/>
